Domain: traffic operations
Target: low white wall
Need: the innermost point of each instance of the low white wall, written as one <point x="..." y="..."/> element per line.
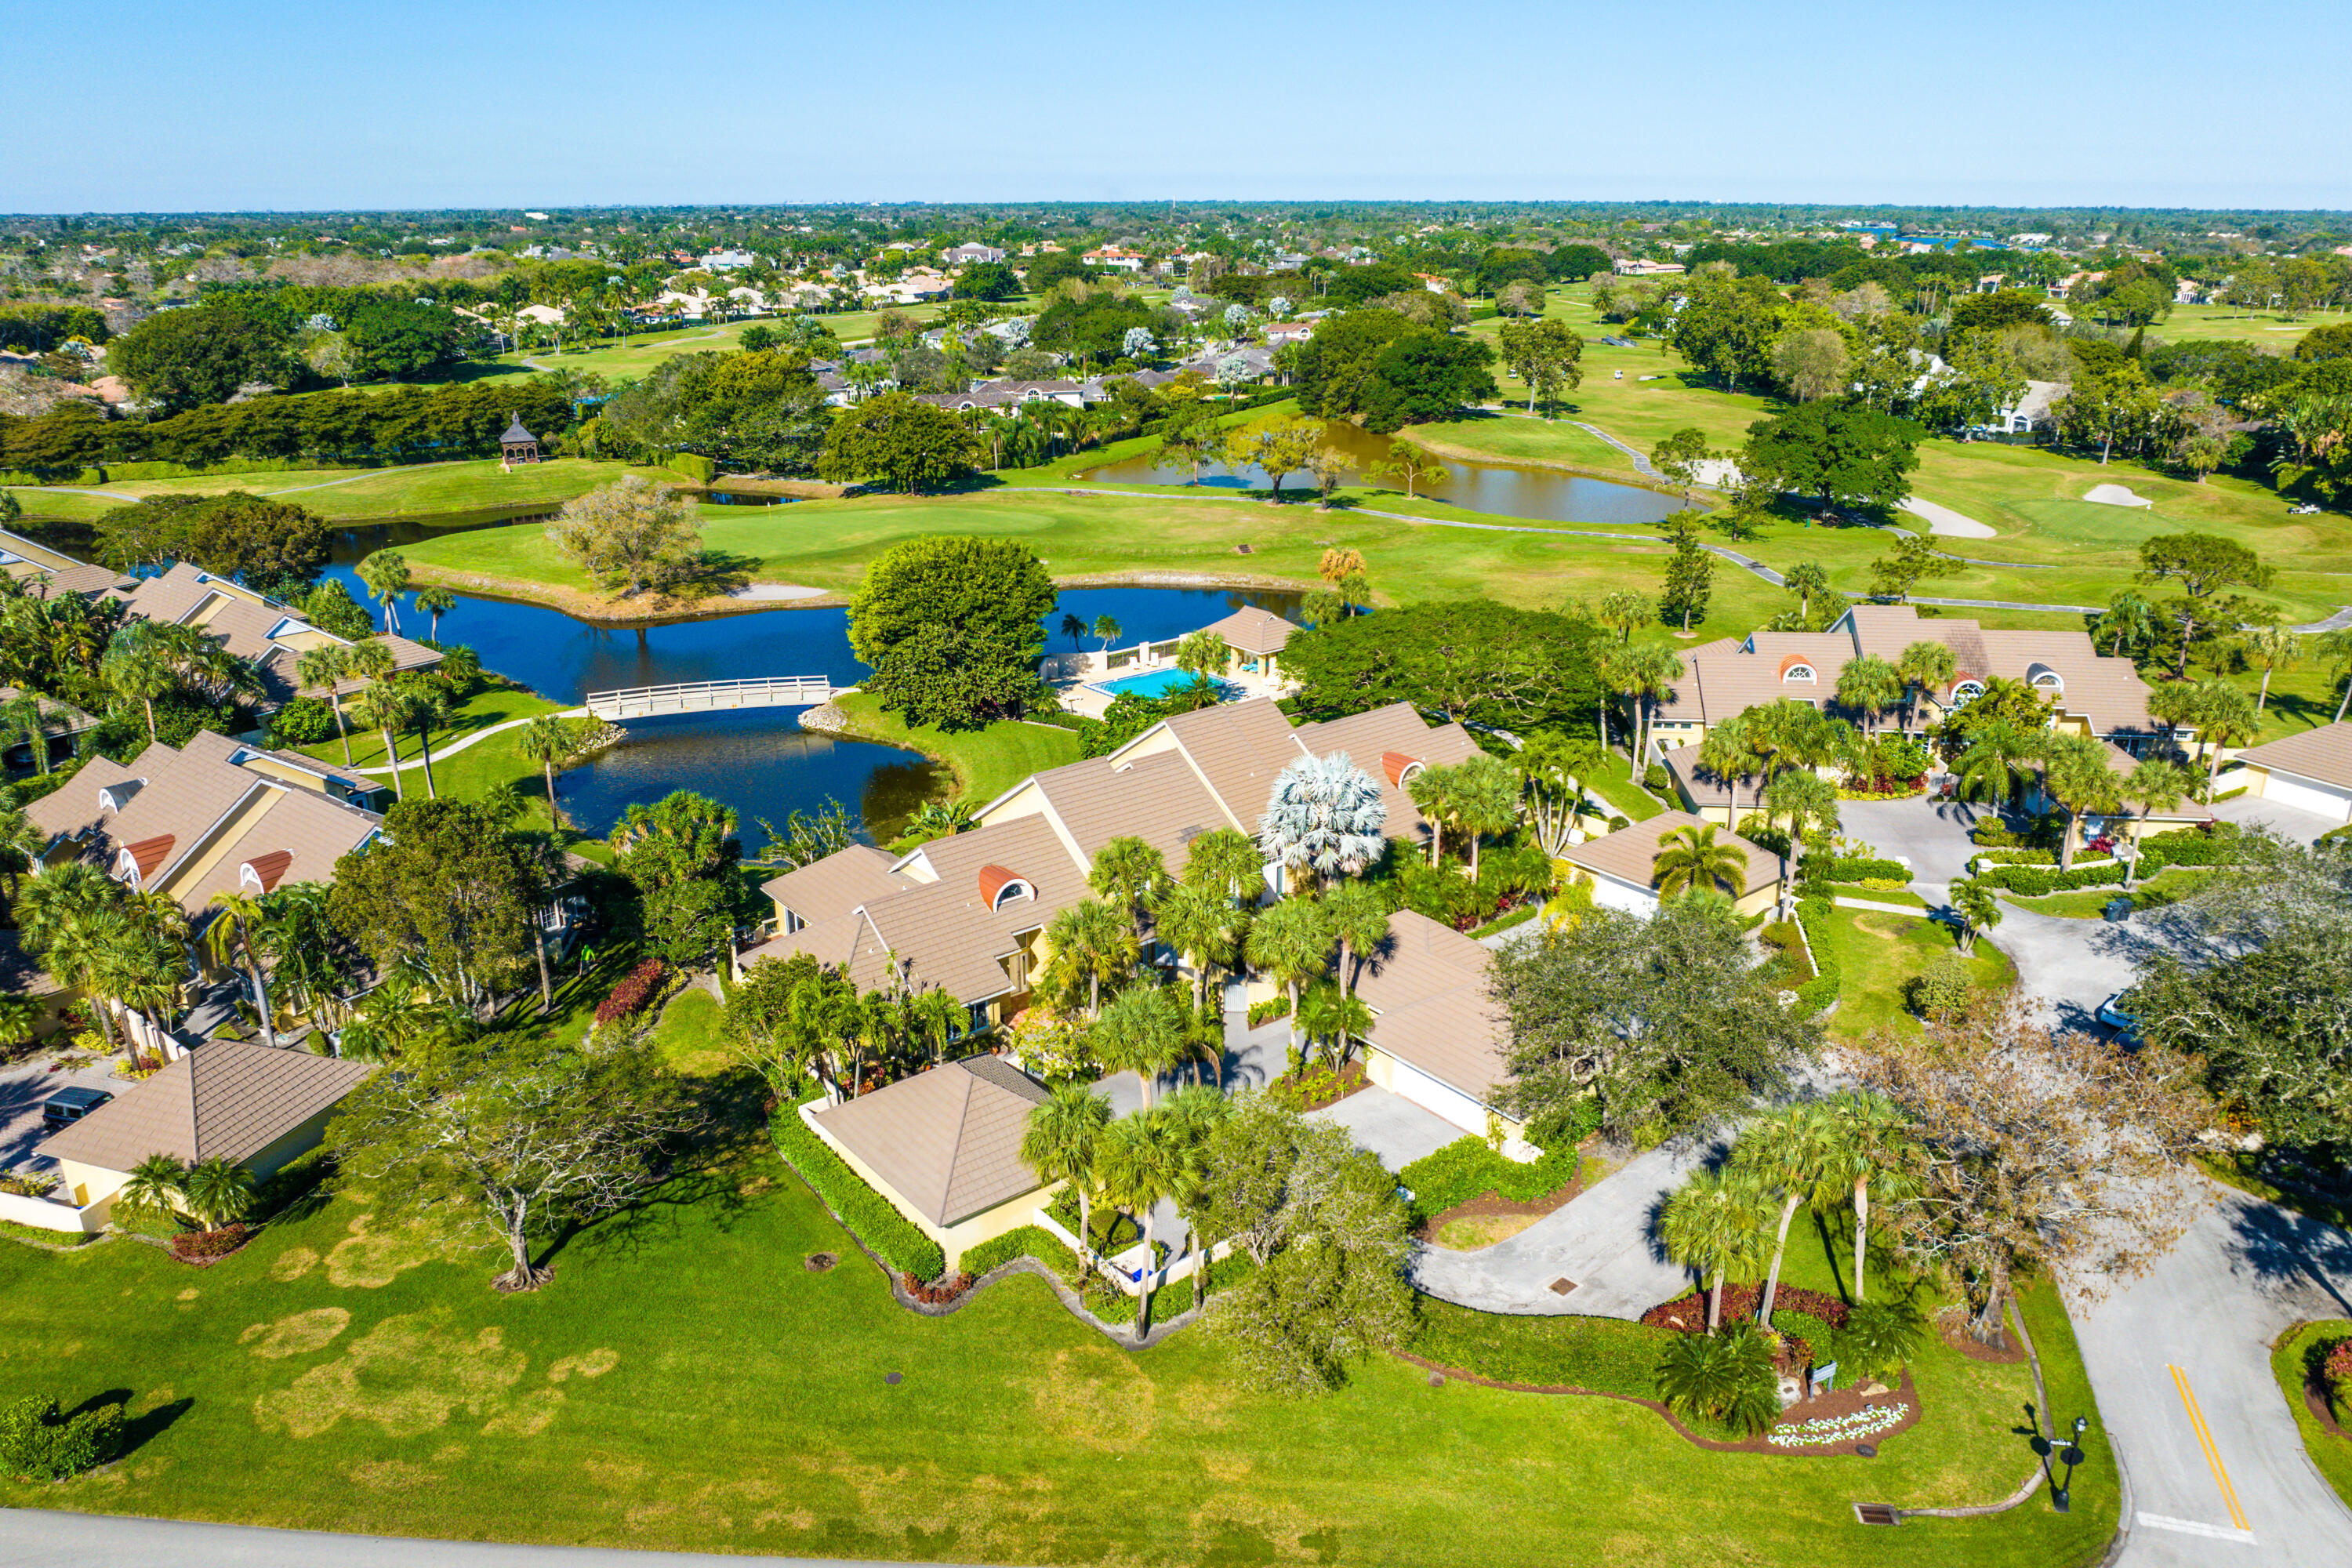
<point x="40" y="1213"/>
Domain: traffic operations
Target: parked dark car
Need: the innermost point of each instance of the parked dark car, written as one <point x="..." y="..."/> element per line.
<point x="68" y="1106"/>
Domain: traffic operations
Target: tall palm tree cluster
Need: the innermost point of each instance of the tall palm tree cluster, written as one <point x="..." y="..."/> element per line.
<point x="128" y="951"/>
<point x="802" y="1019"/>
<point x="1843" y="1153"/>
<point x="1132" y="1163"/>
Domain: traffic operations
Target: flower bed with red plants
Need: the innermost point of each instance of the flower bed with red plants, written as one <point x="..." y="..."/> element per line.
<point x="939" y="1294"/>
<point x="637" y="988"/>
<point x="202" y="1247"/>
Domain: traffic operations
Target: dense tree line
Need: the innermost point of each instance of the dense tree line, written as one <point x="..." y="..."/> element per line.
<point x="1379" y="365"/>
<point x="407" y="423"/>
<point x="1473" y="660"/>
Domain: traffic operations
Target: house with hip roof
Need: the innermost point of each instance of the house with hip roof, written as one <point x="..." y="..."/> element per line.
<point x="251" y="1105"/>
<point x="2091" y="694"/>
<point x="2311" y="772"/>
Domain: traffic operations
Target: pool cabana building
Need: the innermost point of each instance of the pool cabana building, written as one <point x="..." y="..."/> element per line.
<point x="1254" y="640"/>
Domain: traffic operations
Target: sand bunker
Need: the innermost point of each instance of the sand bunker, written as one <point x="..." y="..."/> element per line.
<point x="2116" y="495"/>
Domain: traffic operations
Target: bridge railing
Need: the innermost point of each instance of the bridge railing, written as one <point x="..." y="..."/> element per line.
<point x="686" y="696"/>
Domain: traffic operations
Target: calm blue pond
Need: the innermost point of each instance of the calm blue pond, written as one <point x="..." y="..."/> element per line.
<point x="760" y="762"/>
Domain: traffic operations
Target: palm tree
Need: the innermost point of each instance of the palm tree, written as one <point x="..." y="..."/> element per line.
<point x="1486" y="799"/>
<point x="1143" y="1161"/>
<point x="1225" y="861"/>
<point x="325" y="666"/>
<point x="1128" y="871"/>
<point x="1869" y="1149"/>
<point x="1073" y="628"/>
<point x="2158" y="785"/>
<point x="220" y="1192"/>
<point x="1802" y="799"/>
<point x="427" y="705"/>
<point x="1788" y="1153"/>
<point x="154" y="1186"/>
<point x="1140" y="1031"/>
<point x="1727" y="1376"/>
<point x="1925" y="668"/>
<point x="1062" y="1141"/>
<point x="1689" y="860"/>
<point x="233" y="928"/>
<point x="1623" y="609"/>
<point x="1713" y="1224"/>
<point x="547" y="741"/>
<point x="1805" y="579"/>
<point x="25" y="713"/>
<point x="1200" y="925"/>
<point x="1645" y="674"/>
<point x="135" y="668"/>
<point x="1728" y="752"/>
<point x="1976" y="907"/>
<point x="1553" y="767"/>
<point x="1993" y="767"/>
<point x="1192" y="1114"/>
<point x="1359" y="919"/>
<point x="1432" y="789"/>
<point x="384" y="708"/>
<point x="939" y="1016"/>
<point x="2225" y="717"/>
<point x="1108" y="629"/>
<point x="435" y="601"/>
<point x="1869" y="686"/>
<point x="2075" y="776"/>
<point x="1089" y="938"/>
<point x="1292" y="942"/>
<point x="2130" y="620"/>
<point x="385" y="577"/>
<point x="1324" y="815"/>
<point x="1328" y="1014"/>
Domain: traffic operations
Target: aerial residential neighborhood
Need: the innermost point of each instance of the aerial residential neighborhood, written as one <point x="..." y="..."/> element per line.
<point x="939" y="809"/>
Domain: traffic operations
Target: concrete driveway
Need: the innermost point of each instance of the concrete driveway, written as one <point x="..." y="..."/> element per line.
<point x="23" y="1085"/>
<point x="1392" y="1127"/>
<point x="2301" y="826"/>
<point x="1602" y="1240"/>
<point x="2071" y="967"/>
<point x="2211" y="1308"/>
<point x="1932" y="834"/>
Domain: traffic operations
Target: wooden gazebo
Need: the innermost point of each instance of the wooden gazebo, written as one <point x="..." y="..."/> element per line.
<point x="518" y="445"/>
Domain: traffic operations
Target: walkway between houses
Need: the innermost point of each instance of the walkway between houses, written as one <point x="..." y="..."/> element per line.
<point x="478" y="735"/>
<point x="1601" y="1241"/>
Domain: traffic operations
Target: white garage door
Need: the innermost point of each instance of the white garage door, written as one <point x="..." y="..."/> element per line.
<point x="1407" y="1082"/>
<point x="2334" y="804"/>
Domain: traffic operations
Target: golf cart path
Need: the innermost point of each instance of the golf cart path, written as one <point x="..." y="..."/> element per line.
<point x="452" y="750"/>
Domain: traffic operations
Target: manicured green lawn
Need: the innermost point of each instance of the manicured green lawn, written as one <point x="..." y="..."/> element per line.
<point x="2208" y="323"/>
<point x="346" y="495"/>
<point x="687" y="1037"/>
<point x="1879" y="895"/>
<point x="469" y="774"/>
<point x="1612" y="780"/>
<point x="2091" y="903"/>
<point x="686" y="1384"/>
<point x="2331" y="1455"/>
<point x="1879" y="954"/>
<point x="986" y="763"/>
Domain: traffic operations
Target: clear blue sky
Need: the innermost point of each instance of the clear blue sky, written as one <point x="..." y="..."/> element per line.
<point x="240" y="104"/>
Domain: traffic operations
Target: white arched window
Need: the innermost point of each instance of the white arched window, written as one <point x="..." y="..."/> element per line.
<point x="1800" y="672"/>
<point x="1966" y="692"/>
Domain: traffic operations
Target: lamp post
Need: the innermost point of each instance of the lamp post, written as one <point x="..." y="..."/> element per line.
<point x="2072" y="1455"/>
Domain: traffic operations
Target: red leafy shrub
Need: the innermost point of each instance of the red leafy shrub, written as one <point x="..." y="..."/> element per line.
<point x="939" y="1293"/>
<point x="206" y="1245"/>
<point x="630" y="996"/>
<point x="1688" y="1313"/>
<point x="2337" y="1368"/>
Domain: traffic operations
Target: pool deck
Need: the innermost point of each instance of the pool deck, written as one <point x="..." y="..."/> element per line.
<point x="1081" y="696"/>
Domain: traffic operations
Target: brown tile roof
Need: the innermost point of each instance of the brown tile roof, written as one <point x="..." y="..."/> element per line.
<point x="302" y="834"/>
<point x="19" y="975"/>
<point x="245" y="623"/>
<point x="1254" y="630"/>
<point x="1629" y="854"/>
<point x="1703" y="787"/>
<point x="1158" y="798"/>
<point x="1398" y="728"/>
<point x="1238" y="748"/>
<point x="1427" y="990"/>
<point x="836" y="885"/>
<point x="224" y="1099"/>
<point x="57" y="718"/>
<point x="85" y="579"/>
<point x="946" y="1143"/>
<point x="2324" y="754"/>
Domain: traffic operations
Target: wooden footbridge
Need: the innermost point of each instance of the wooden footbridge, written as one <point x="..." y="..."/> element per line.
<point x="709" y="696"/>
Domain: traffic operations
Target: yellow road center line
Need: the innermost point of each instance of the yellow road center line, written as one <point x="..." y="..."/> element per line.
<point x="2205" y="1441"/>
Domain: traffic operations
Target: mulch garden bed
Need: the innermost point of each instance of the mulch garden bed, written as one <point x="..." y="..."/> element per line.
<point x="2315" y="1399"/>
<point x="1687" y="1313"/>
<point x="1351" y="1081"/>
<point x="1477" y="1208"/>
<point x="1953" y="1329"/>
<point x="1845" y="1402"/>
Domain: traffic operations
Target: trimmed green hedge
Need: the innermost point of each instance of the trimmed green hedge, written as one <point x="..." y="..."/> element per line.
<point x="2218" y="848"/>
<point x="1829" y="977"/>
<point x="1854" y="869"/>
<point x="1607" y="1355"/>
<point x="1467" y="1169"/>
<point x="892" y="1236"/>
<point x="2032" y="881"/>
<point x="1029" y="1241"/>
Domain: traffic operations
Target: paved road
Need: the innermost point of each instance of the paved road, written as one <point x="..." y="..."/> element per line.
<point x="2211" y="1309"/>
<point x="1932" y="834"/>
<point x="31" y="1538"/>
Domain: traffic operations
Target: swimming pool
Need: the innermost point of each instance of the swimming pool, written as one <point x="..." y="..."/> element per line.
<point x="1159" y="683"/>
